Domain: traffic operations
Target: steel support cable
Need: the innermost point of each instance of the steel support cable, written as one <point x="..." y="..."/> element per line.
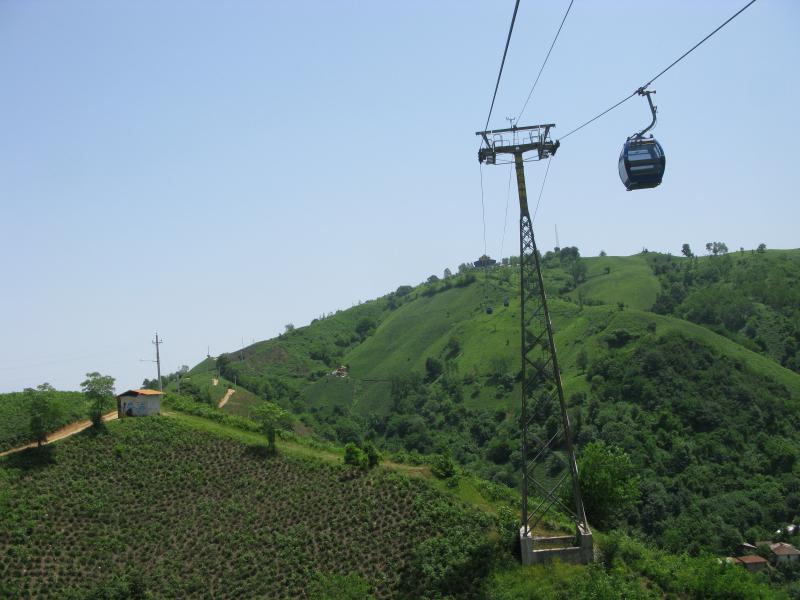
<point x="483" y="208"/>
<point x="541" y="191"/>
<point x="505" y="219"/>
<point x="684" y="55"/>
<point x="533" y="87"/>
<point x="502" y="63"/>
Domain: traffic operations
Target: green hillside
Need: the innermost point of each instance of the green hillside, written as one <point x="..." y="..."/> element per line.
<point x="15" y="414"/>
<point x="430" y="371"/>
<point x="179" y="506"/>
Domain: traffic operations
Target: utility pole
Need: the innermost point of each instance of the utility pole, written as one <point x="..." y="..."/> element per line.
<point x="158" y="342"/>
<point x="557" y="244"/>
<point x="542" y="391"/>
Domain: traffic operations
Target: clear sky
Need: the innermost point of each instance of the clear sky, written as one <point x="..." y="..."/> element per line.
<point x="215" y="170"/>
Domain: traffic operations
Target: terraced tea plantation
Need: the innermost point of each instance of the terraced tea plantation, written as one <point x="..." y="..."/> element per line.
<point x="156" y="506"/>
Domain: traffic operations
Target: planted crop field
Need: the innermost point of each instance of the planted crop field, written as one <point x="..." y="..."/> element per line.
<point x="15" y="416"/>
<point x="156" y="505"/>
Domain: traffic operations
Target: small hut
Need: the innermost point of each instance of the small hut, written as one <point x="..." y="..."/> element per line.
<point x="485" y="261"/>
<point x="138" y="403"/>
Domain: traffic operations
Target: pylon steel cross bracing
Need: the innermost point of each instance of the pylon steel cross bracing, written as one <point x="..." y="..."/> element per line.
<point x="549" y="470"/>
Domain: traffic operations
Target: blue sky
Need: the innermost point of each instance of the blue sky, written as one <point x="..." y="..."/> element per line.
<point x="216" y="170"/>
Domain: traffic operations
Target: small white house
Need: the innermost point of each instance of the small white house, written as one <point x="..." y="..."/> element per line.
<point x="138" y="403"/>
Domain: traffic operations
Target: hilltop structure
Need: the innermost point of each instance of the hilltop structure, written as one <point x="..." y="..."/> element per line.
<point x="139" y="403"/>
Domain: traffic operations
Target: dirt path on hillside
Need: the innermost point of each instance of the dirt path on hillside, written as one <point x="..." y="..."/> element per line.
<point x="226" y="397"/>
<point x="214" y="381"/>
<point x="60" y="434"/>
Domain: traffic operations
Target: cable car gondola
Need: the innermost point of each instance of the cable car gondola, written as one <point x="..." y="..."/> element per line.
<point x="642" y="160"/>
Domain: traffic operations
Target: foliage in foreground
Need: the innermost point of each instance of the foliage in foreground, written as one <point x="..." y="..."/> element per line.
<point x="630" y="570"/>
<point x="15" y="414"/>
<point x="213" y="519"/>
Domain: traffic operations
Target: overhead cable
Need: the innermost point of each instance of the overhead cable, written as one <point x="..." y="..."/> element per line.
<point x="533" y="87"/>
<point x="684" y="55"/>
<point x="502" y="63"/>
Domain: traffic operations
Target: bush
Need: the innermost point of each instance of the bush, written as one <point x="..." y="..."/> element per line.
<point x="442" y="466"/>
<point x="355" y="456"/>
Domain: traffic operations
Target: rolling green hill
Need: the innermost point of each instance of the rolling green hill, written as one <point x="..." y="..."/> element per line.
<point x="178" y="506"/>
<point x="430" y="371"/>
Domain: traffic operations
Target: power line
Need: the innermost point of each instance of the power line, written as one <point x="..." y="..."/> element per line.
<point x="684" y="55"/>
<point x="533" y="87"/>
<point x="502" y="63"/>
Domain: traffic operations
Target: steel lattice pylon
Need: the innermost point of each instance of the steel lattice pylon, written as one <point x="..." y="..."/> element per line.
<point x="548" y="457"/>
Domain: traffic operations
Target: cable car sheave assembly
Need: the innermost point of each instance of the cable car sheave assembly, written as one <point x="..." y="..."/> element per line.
<point x="542" y="391"/>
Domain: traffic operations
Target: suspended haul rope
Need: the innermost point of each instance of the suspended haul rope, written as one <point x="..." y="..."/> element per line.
<point x="502" y="63"/>
<point x="533" y="87"/>
<point x="684" y="55"/>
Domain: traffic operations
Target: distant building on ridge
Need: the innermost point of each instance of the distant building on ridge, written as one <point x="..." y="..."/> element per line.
<point x="485" y="261"/>
<point x="138" y="403"/>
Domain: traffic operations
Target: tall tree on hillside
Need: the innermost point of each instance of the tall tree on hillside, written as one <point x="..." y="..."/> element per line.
<point x="99" y="389"/>
<point x="270" y="418"/>
<point x="608" y="482"/>
<point x="43" y="412"/>
<point x="686" y="250"/>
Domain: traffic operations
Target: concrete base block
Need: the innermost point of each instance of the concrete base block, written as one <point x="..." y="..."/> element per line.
<point x="576" y="549"/>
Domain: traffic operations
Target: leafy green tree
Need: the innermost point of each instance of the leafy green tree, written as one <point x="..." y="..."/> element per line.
<point x="270" y="418"/>
<point x="340" y="587"/>
<point x="686" y="250"/>
<point x="99" y="389"/>
<point x="365" y="326"/>
<point x="602" y="253"/>
<point x="447" y="273"/>
<point x="355" y="456"/>
<point x="608" y="482"/>
<point x="442" y="466"/>
<point x="582" y="360"/>
<point x="43" y="412"/>
<point x="762" y="247"/>
<point x="373" y="455"/>
<point x="433" y="368"/>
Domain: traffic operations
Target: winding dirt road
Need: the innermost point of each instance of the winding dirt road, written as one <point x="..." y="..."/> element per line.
<point x="226" y="397"/>
<point x="60" y="434"/>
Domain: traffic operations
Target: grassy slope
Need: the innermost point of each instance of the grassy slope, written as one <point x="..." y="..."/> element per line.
<point x="204" y="510"/>
<point x="224" y="512"/>
<point x="630" y="280"/>
<point x="421" y="328"/>
<point x="15" y="419"/>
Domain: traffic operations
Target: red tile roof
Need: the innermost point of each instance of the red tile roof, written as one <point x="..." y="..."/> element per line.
<point x="752" y="559"/>
<point x="781" y="549"/>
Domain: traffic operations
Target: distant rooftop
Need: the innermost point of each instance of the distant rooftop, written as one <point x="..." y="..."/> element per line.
<point x="141" y="393"/>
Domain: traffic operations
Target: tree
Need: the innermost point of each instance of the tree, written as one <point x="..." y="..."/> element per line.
<point x="608" y="484"/>
<point x="686" y="250"/>
<point x="270" y="418"/>
<point x="447" y="273"/>
<point x="442" y="466"/>
<point x="365" y="326"/>
<point x="762" y="247"/>
<point x="603" y="253"/>
<point x="433" y="368"/>
<point x="433" y="279"/>
<point x="355" y="456"/>
<point x="43" y="412"/>
<point x="99" y="389"/>
<point x="373" y="455"/>
<point x="582" y="360"/>
<point x="289" y="327"/>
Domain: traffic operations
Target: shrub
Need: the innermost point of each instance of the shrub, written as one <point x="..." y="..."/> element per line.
<point x="355" y="456"/>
